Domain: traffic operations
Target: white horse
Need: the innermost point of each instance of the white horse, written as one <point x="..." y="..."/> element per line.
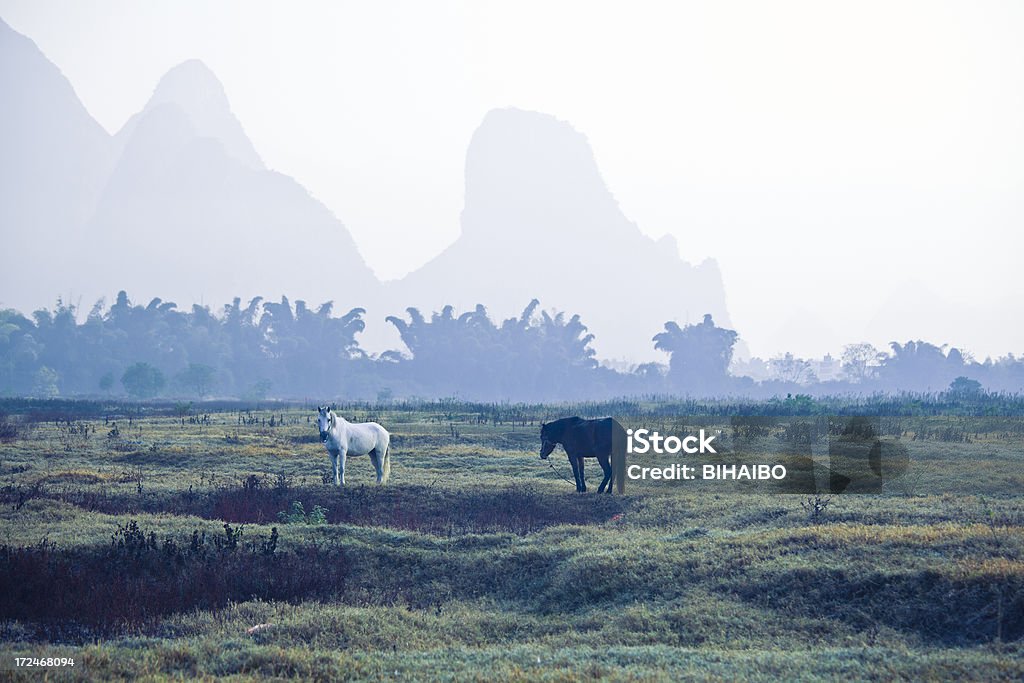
<point x="342" y="438"/>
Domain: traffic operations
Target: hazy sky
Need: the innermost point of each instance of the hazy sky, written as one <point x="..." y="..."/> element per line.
<point x="835" y="158"/>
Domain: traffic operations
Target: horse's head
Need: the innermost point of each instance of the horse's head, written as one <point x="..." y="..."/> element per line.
<point x="324" y="421"/>
<point x="547" y="439"/>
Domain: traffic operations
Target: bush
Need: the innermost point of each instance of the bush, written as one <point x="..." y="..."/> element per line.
<point x="297" y="515"/>
<point x="9" y="430"/>
<point x="139" y="578"/>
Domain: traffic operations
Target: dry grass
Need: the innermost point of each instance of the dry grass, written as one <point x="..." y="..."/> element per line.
<point x="478" y="560"/>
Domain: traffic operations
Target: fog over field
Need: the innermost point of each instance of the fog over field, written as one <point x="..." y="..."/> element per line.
<point x="812" y="176"/>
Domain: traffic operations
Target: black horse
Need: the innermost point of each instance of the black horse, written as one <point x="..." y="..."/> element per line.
<point x="586" y="439"/>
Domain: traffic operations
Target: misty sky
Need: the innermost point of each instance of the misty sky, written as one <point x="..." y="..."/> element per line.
<point x="839" y="160"/>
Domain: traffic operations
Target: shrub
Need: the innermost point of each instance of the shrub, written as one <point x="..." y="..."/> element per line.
<point x="297" y="515"/>
<point x="139" y="578"/>
<point x="9" y="430"/>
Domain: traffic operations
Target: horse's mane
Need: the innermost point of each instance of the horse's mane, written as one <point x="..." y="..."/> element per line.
<point x="556" y="428"/>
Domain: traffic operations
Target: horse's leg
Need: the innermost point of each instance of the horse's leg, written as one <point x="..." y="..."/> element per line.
<point x="376" y="460"/>
<point x="334" y="466"/>
<point x="602" y="459"/>
<point x="583" y="480"/>
<point x="575" y="472"/>
<point x="339" y="477"/>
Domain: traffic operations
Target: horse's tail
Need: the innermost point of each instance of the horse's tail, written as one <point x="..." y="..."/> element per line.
<point x="618" y="447"/>
<point x="386" y="465"/>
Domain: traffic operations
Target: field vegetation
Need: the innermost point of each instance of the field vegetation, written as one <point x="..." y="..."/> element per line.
<point x="170" y="540"/>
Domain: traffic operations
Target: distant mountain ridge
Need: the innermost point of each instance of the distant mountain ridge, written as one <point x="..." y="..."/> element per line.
<point x="206" y="212"/>
<point x="179" y="205"/>
<point x="54" y="159"/>
<point x="195" y="89"/>
<point x="538" y="209"/>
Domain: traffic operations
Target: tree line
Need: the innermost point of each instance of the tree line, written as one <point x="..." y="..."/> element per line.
<point x="289" y="350"/>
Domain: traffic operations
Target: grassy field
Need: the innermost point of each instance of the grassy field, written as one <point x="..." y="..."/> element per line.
<point x="152" y="545"/>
